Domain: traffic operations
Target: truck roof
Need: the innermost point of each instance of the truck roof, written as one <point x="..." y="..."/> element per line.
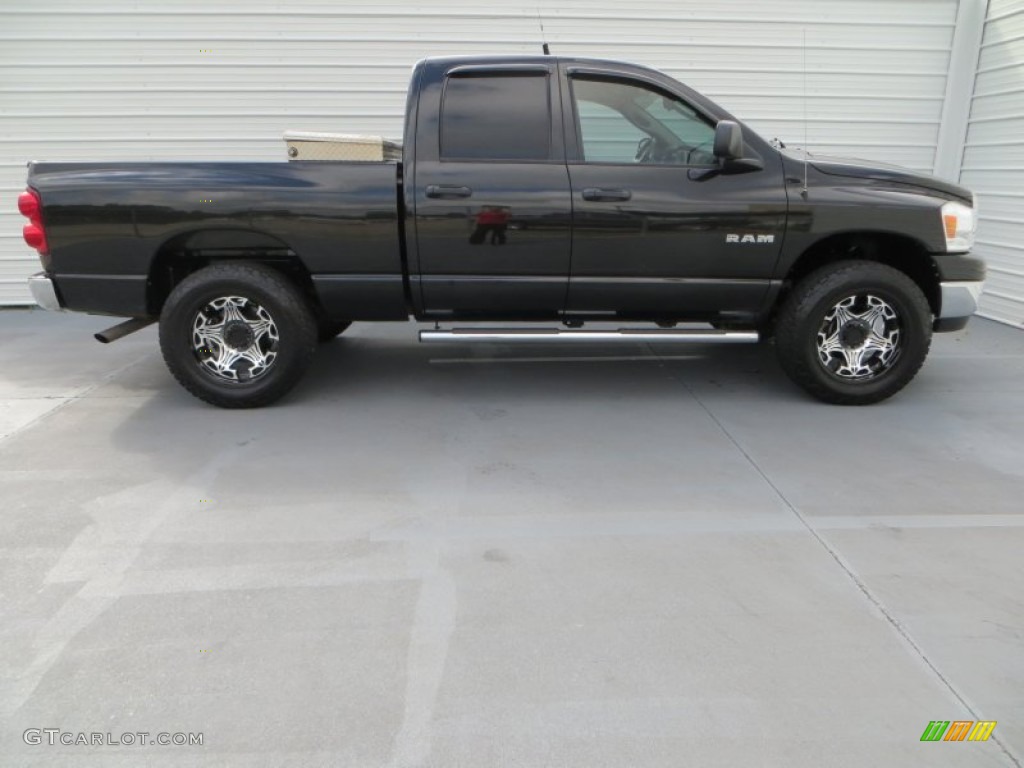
<point x="534" y="58"/>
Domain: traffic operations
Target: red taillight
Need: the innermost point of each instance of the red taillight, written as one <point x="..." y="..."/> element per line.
<point x="30" y="206"/>
<point x="35" y="237"/>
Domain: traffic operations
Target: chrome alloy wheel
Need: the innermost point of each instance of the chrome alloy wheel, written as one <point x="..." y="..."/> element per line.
<point x="859" y="338"/>
<point x="234" y="339"/>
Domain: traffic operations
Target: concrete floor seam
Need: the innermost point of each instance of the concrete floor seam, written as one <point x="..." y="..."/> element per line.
<point x="861" y="586"/>
<point x="68" y="399"/>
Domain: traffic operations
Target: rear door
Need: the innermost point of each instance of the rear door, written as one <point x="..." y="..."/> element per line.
<point x="492" y="199"/>
<point x="658" y="233"/>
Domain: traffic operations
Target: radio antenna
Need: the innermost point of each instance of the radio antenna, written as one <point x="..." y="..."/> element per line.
<point x="543" y="37"/>
<point x="804" y="190"/>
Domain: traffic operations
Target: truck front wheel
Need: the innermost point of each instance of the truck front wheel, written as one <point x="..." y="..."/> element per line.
<point x="853" y="332"/>
<point x="237" y="335"/>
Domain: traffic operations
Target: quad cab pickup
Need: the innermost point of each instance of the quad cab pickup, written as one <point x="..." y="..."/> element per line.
<point x="547" y="190"/>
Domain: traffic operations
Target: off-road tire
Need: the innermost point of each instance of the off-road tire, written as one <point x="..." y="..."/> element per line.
<point x="804" y="312"/>
<point x="295" y="333"/>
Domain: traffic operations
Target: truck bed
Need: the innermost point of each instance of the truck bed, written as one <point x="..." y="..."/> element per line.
<point x="341" y="219"/>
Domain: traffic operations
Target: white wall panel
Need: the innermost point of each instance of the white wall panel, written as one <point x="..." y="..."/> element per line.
<point x="223" y="79"/>
<point x="993" y="163"/>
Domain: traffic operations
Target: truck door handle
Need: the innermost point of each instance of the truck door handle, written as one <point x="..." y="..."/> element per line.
<point x="447" y="190"/>
<point x="606" y="195"/>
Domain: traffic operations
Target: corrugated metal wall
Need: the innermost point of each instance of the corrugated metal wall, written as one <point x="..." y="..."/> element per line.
<point x="993" y="164"/>
<point x="222" y="79"/>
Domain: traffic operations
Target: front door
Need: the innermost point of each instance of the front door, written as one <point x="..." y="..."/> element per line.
<point x="493" y="211"/>
<point x="656" y="232"/>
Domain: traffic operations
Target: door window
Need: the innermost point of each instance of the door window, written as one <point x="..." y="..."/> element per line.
<point x="620" y="122"/>
<point x="496" y="117"/>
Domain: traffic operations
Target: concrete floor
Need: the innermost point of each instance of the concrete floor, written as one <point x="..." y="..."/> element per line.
<point x="497" y="556"/>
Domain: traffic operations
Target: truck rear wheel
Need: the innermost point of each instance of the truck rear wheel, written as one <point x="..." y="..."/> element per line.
<point x="237" y="335"/>
<point x="854" y="332"/>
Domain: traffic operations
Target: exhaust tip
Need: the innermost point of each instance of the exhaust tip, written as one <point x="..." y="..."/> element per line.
<point x="123" y="329"/>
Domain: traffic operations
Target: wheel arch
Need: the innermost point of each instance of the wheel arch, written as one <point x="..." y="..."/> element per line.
<point x="902" y="252"/>
<point x="186" y="252"/>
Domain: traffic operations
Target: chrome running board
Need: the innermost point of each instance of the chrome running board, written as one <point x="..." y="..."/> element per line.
<point x="556" y="335"/>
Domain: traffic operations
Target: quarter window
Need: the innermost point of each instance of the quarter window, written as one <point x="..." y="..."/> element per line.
<point x="496" y="117"/>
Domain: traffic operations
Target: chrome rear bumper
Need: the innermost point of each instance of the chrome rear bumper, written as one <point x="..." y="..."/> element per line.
<point x="44" y="292"/>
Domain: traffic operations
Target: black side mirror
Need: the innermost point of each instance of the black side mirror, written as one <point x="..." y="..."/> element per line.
<point x="728" y="148"/>
<point x="728" y="140"/>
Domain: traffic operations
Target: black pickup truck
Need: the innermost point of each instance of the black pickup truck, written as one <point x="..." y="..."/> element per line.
<point x="531" y="189"/>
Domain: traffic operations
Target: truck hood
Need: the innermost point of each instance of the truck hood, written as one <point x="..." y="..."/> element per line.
<point x="869" y="169"/>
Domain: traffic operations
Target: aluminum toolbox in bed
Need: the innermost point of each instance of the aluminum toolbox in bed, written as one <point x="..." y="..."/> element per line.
<point x="303" y="145"/>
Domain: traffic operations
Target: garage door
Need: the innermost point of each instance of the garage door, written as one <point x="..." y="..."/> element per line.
<point x="993" y="164"/>
<point x="222" y="79"/>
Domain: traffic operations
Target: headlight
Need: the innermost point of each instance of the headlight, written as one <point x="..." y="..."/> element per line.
<point x="959" y="223"/>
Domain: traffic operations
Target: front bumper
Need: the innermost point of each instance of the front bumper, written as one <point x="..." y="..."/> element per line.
<point x="958" y="300"/>
<point x="44" y="292"/>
